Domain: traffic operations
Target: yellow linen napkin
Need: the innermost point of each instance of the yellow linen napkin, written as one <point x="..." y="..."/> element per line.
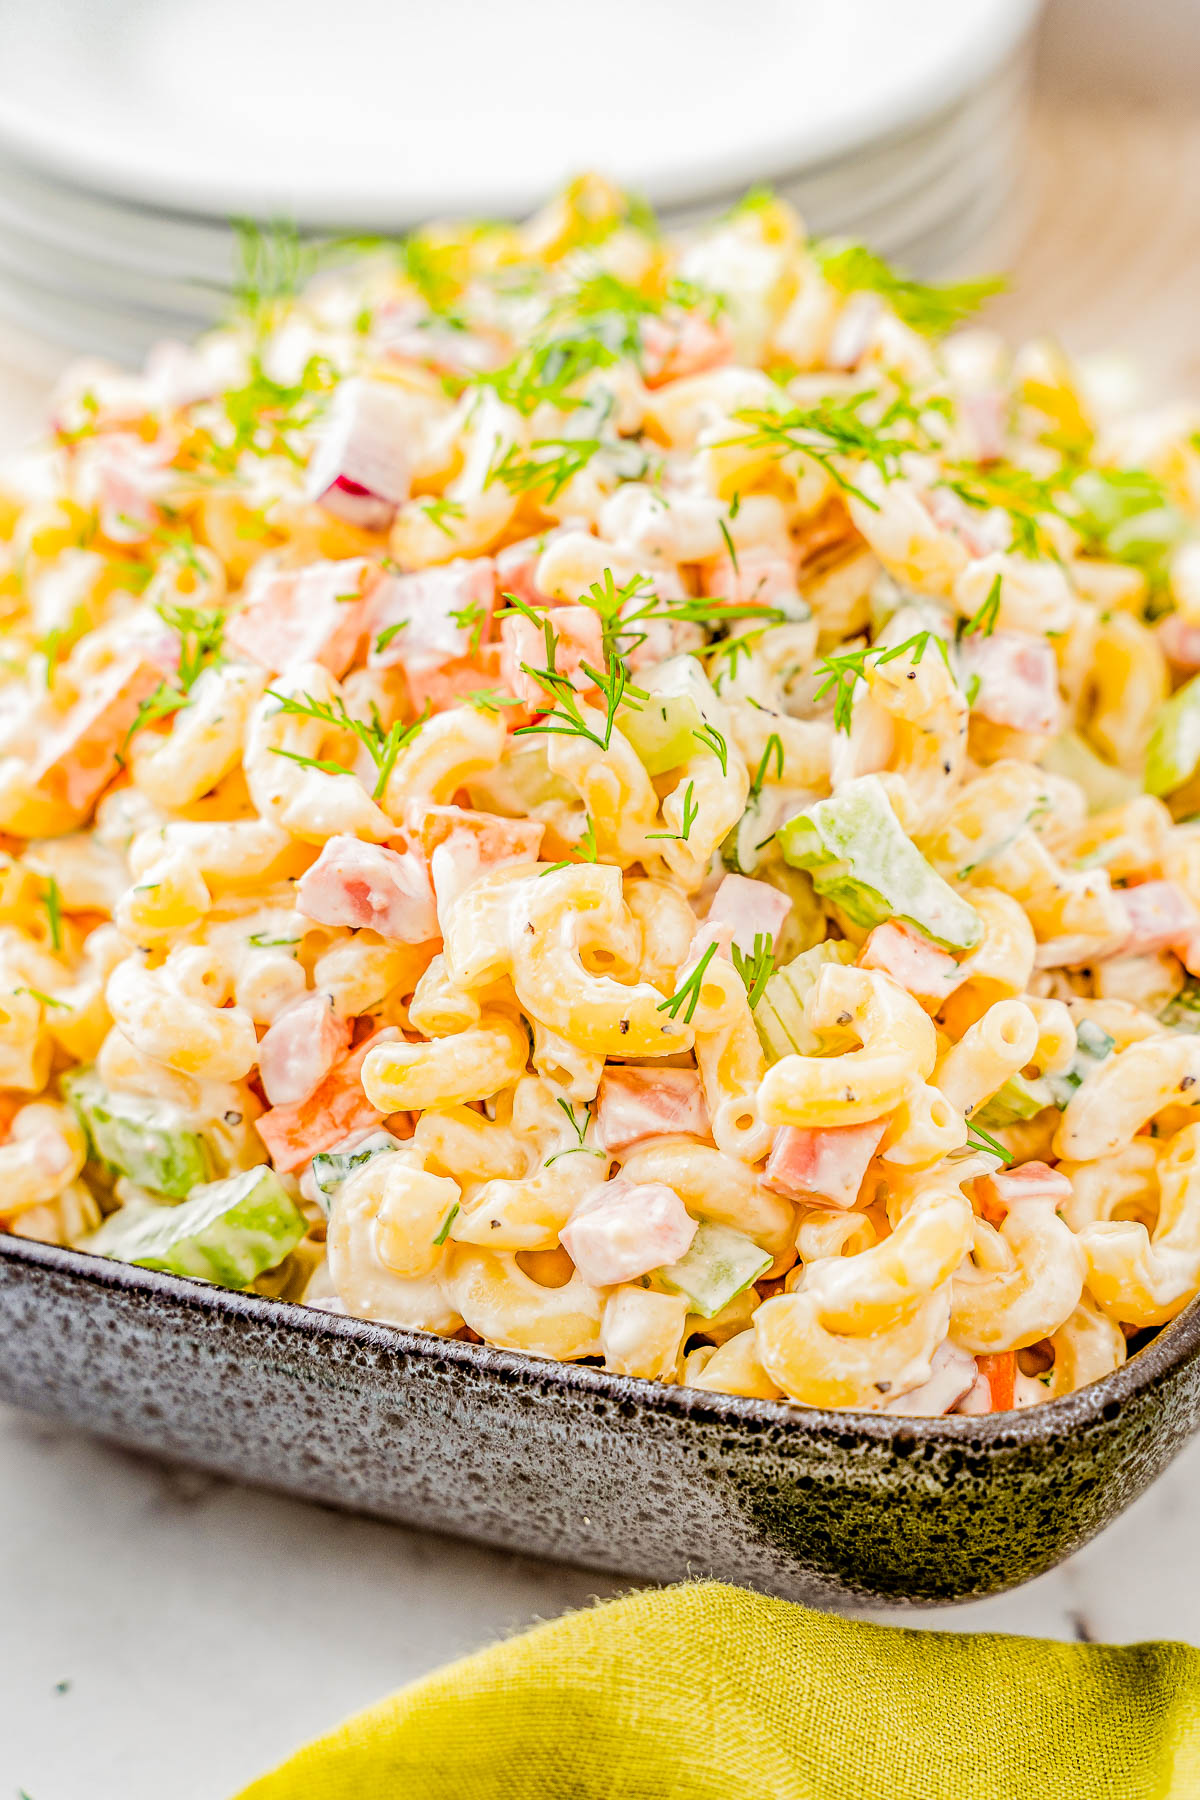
<point x="704" y="1692"/>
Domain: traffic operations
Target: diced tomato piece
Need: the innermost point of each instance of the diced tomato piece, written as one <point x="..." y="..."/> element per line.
<point x="1000" y="1373"/>
<point x="294" y="1134"/>
<point x="436" y="616"/>
<point x="1015" y="680"/>
<point x="298" y="1050"/>
<point x="827" y="1163"/>
<point x="920" y="967"/>
<point x="1160" y="916"/>
<point x="578" y="639"/>
<point x="633" y="1104"/>
<point x="624" y="1229"/>
<point x="749" y="909"/>
<point x="81" y="756"/>
<point x="357" y="884"/>
<point x="317" y="614"/>
<point x="682" y="344"/>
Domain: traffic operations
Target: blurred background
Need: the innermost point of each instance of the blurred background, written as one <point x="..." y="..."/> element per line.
<point x="1061" y="141"/>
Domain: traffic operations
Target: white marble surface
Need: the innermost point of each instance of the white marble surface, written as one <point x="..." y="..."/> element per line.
<point x="164" y="1633"/>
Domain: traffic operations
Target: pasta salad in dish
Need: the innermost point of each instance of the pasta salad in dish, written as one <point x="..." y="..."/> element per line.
<point x="635" y="798"/>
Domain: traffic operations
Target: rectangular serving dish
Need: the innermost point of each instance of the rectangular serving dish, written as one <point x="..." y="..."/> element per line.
<point x="567" y="1462"/>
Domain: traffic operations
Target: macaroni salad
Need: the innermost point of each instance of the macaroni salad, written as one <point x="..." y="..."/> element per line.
<point x="632" y="798"/>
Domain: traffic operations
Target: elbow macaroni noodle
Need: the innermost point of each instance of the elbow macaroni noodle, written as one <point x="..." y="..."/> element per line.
<point x="649" y="795"/>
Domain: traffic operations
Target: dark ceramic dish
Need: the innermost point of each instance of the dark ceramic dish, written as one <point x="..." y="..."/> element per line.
<point x="568" y="1462"/>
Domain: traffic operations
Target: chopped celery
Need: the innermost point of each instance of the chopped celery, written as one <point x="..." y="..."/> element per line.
<point x="330" y="1168"/>
<point x="718" y="1265"/>
<point x="521" y="783"/>
<point x="1175" y="741"/>
<point x="1183" y="1012"/>
<point x="779" y="1015"/>
<point x="1104" y="786"/>
<point x="1092" y="1045"/>
<point x="153" y="1142"/>
<point x="858" y="856"/>
<point x="228" y="1232"/>
<point x="662" y="727"/>
<point x="1017" y="1100"/>
<point x="743" y="849"/>
<point x="1126" y="516"/>
<point x="806" y="925"/>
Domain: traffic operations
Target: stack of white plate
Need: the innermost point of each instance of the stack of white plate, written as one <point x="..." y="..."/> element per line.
<point x="133" y="131"/>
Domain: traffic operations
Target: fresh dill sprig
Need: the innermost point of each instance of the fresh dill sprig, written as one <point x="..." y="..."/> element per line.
<point x="41" y="998"/>
<point x="490" y="700"/>
<point x="200" y="639"/>
<point x="843" y="669"/>
<point x="757" y="968"/>
<point x="711" y="614"/>
<point x="382" y="745"/>
<point x="688" y="996"/>
<point x="566" y="717"/>
<point x="579" y="1147"/>
<point x="388" y="633"/>
<point x="264" y="414"/>
<point x="470" y="618"/>
<point x="691" y="812"/>
<point x="983" y="623"/>
<point x="439" y="509"/>
<point x="979" y="1139"/>
<point x="1026" y="498"/>
<point x="708" y="735"/>
<point x="447" y="1222"/>
<point x="530" y="474"/>
<point x="774" y="748"/>
<point x="586" y="846"/>
<point x="271" y="265"/>
<point x="930" y="308"/>
<point x="52" y="901"/>
<point x="835" y="429"/>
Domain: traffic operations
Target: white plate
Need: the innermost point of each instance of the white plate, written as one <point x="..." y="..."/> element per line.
<point x="74" y="236"/>
<point x="381" y="112"/>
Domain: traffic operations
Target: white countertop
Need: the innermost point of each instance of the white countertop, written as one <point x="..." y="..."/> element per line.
<point x="168" y="1634"/>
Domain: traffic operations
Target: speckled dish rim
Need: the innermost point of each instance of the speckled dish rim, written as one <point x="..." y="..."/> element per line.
<point x="1035" y="1425"/>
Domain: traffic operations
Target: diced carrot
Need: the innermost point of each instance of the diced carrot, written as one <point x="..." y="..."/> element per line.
<point x="1000" y="1373"/>
<point x="497" y="839"/>
<point x="331" y="1112"/>
<point x="446" y="686"/>
<point x="82" y="755"/>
